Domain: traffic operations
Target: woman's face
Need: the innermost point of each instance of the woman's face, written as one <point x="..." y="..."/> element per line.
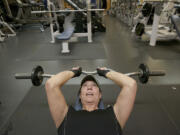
<point x="90" y="93"/>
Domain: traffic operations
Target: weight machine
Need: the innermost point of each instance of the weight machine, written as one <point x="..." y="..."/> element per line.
<point x="5" y="30"/>
<point x="18" y="13"/>
<point x="68" y="34"/>
<point x="162" y="27"/>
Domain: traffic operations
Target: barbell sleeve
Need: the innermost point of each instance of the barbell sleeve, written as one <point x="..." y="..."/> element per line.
<point x="157" y="73"/>
<point x="23" y="76"/>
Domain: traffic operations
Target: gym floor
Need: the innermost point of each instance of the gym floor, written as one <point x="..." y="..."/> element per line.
<point x="24" y="108"/>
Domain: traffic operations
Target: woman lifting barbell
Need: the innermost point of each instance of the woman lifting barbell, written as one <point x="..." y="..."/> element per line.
<point x="91" y="118"/>
<point x="89" y="115"/>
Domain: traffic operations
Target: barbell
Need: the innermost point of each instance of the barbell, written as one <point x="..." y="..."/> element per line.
<point x="38" y="74"/>
<point x="65" y="11"/>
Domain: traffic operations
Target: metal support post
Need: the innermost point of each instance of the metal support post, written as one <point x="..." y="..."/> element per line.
<point x="154" y="34"/>
<point x="89" y="25"/>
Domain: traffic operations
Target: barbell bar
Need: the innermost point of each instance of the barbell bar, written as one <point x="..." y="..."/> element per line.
<point x="65" y="11"/>
<point x="38" y="74"/>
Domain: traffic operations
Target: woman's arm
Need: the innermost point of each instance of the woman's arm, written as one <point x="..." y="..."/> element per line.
<point x="125" y="100"/>
<point x="57" y="103"/>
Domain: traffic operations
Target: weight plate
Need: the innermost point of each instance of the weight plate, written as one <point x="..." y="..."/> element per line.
<point x="147" y="9"/>
<point x="140" y="28"/>
<point x="36" y="77"/>
<point x="144" y="77"/>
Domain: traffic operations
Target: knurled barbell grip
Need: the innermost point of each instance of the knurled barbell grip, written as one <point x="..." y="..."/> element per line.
<point x="83" y="72"/>
<point x="133" y="73"/>
<point x="47" y="75"/>
<point x="93" y="73"/>
<point x="23" y="76"/>
<point x="89" y="72"/>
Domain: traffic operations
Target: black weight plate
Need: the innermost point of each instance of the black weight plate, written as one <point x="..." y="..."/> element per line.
<point x="146" y="10"/>
<point x="54" y="27"/>
<point x="35" y="76"/>
<point x="140" y="29"/>
<point x="145" y="76"/>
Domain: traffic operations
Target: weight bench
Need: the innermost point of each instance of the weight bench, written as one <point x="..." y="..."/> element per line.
<point x="65" y="37"/>
<point x="176" y="21"/>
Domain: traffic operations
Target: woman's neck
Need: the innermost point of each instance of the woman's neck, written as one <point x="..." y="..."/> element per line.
<point x="90" y="107"/>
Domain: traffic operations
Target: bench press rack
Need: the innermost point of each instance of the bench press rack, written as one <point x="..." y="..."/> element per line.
<point x="68" y="35"/>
